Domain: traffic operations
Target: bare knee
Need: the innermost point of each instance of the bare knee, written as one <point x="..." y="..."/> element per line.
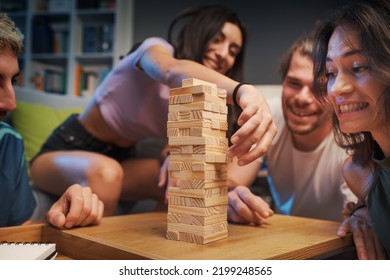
<point x="105" y="177"/>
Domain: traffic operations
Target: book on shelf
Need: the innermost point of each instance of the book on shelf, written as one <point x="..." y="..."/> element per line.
<point x="60" y="37"/>
<point x="51" y="80"/>
<point x="91" y="34"/>
<point x="42" y="35"/>
<point x="88" y="79"/>
<point x="59" y="6"/>
<point x="106" y="42"/>
<point x="48" y="36"/>
<point x="27" y="251"/>
<point x="97" y="37"/>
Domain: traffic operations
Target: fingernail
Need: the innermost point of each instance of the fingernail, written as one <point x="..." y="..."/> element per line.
<point x="234" y="139"/>
<point x="265" y="214"/>
<point x="362" y="256"/>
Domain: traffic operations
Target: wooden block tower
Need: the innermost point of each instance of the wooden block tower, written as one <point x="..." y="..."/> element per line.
<point x="197" y="125"/>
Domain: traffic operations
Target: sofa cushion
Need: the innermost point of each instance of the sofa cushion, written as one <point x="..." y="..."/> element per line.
<point x="35" y="122"/>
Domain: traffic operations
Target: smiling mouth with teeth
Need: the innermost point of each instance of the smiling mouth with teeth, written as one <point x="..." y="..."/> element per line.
<point x="301" y="114"/>
<point x="352" y="107"/>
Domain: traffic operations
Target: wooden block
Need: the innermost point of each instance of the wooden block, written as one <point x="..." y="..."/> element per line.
<point x="204" y="105"/>
<point x="220" y="125"/>
<point x="199" y="97"/>
<point x="198" y="193"/>
<point x="197" y="166"/>
<point x="199" y="175"/>
<point x="173" y="217"/>
<point x="199" y="230"/>
<point x="196" y="132"/>
<point x="205" y="239"/>
<point x="216" y="107"/>
<point x="180" y="99"/>
<point x="201" y="114"/>
<point x="224" y="142"/>
<point x="197" y="202"/>
<point x="187" y="149"/>
<point x="222" y="93"/>
<point x="173" y="116"/>
<point x="198" y="211"/>
<point x="173" y="235"/>
<point x="208" y="149"/>
<point x="198" y="89"/>
<point x="204" y="132"/>
<point x="223" y="110"/>
<point x="189" y="123"/>
<point x="208" y="158"/>
<point x="183" y="141"/>
<point x="194" y="238"/>
<point x="203" y="166"/>
<point x="197" y="149"/>
<point x="202" y="123"/>
<point x="175" y="150"/>
<point x="176" y="132"/>
<point x="175" y="165"/>
<point x="201" y="184"/>
<point x="195" y="115"/>
<point x="205" y="149"/>
<point x="194" y="82"/>
<point x="210" y="98"/>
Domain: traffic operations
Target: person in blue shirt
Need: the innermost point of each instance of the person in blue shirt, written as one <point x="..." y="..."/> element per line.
<point x="17" y="202"/>
<point x="78" y="206"/>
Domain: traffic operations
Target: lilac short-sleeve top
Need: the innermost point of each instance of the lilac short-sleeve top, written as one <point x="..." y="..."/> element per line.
<point x="131" y="102"/>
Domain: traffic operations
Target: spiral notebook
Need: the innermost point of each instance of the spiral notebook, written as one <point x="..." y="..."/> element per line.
<point x="27" y="251"/>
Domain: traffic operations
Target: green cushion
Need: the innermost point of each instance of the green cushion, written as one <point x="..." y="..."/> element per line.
<point x="36" y="122"/>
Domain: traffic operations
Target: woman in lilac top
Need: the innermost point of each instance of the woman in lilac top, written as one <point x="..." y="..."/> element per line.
<point x="98" y="148"/>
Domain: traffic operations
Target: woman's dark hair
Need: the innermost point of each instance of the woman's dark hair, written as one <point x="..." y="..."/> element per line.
<point x="201" y="25"/>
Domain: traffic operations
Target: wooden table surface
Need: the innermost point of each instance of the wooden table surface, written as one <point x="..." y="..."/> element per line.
<point x="142" y="236"/>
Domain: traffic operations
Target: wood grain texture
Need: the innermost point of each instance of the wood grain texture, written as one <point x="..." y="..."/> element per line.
<point x="143" y="236"/>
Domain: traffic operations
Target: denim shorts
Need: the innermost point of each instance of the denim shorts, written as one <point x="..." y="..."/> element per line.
<point x="71" y="135"/>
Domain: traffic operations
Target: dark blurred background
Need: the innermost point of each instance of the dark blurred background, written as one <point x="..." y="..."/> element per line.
<point x="272" y="26"/>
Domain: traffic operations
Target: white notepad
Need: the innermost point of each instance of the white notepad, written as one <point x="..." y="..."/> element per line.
<point x="27" y="251"/>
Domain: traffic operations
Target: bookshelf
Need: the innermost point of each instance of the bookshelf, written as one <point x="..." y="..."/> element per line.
<point x="70" y="45"/>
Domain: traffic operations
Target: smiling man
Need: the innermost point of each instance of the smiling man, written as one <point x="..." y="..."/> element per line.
<point x="304" y="162"/>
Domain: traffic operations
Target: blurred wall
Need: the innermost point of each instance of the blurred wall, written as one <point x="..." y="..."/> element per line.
<point x="272" y="26"/>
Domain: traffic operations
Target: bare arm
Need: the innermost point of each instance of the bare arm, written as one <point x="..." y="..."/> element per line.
<point x="244" y="206"/>
<point x="242" y="175"/>
<point x="356" y="177"/>
<point x="358" y="223"/>
<point x="257" y="126"/>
